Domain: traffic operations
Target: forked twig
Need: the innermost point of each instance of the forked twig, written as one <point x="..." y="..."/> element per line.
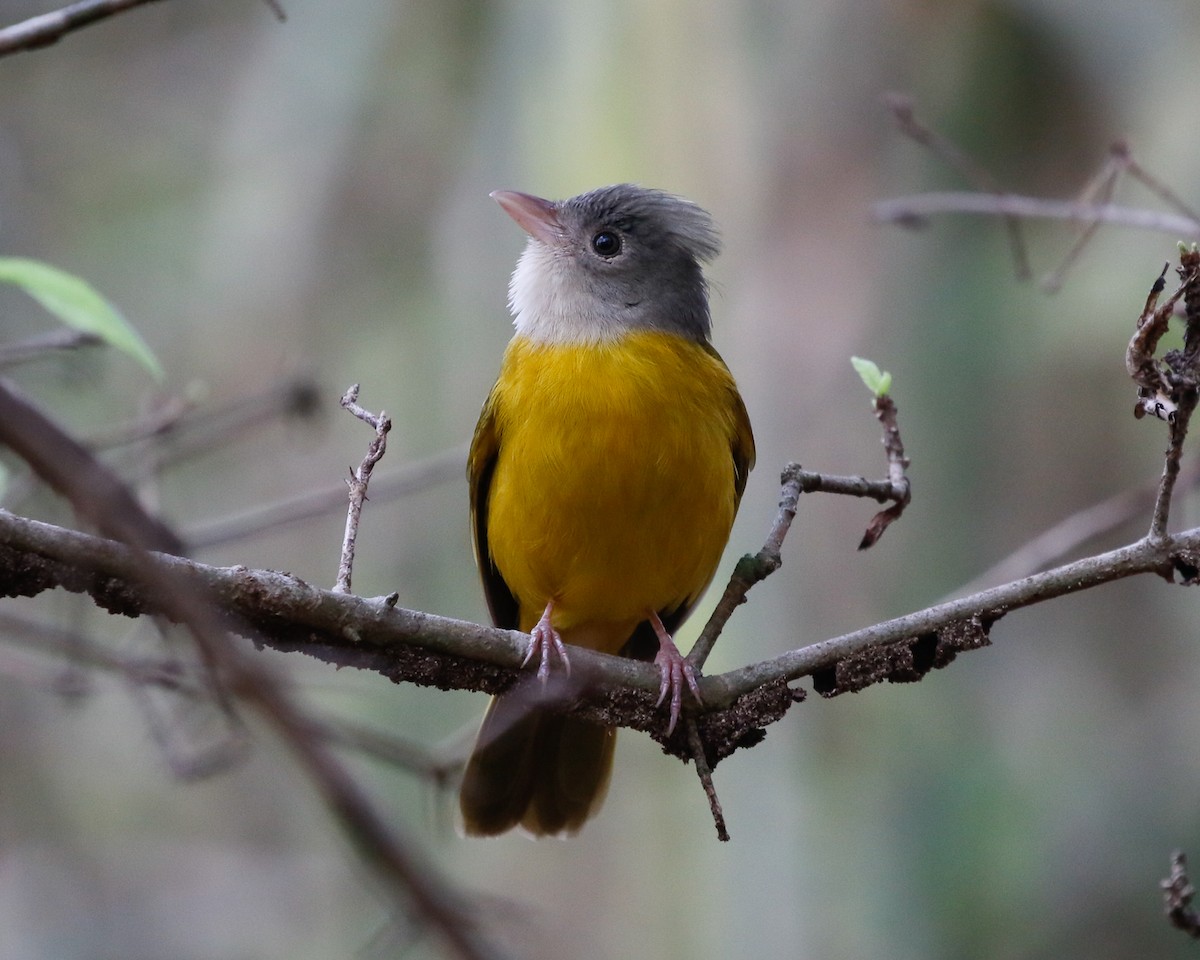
<point x="359" y="479"/>
<point x="1091" y="208"/>
<point x="901" y="107"/>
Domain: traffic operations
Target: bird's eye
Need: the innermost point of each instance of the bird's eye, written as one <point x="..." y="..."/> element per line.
<point x="606" y="243"/>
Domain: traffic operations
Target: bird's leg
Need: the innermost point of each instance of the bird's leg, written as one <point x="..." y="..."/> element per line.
<point x="675" y="670"/>
<point x="544" y="641"/>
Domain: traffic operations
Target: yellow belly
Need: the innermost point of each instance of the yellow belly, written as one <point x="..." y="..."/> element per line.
<point x="614" y="489"/>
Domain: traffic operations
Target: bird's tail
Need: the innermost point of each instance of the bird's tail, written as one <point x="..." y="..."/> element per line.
<point x="546" y="771"/>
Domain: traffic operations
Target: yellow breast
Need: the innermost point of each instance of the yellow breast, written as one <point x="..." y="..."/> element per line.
<point x="614" y="486"/>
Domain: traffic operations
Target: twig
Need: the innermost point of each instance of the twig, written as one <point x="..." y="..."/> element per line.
<point x="754" y="568"/>
<point x="1091" y="208"/>
<point x="49" y="28"/>
<point x="1177" y="897"/>
<point x="277" y="8"/>
<point x="177" y="677"/>
<point x="419" y="475"/>
<point x="358" y="481"/>
<point x="1158" y="188"/>
<point x="168" y="673"/>
<point x="433" y="763"/>
<point x="1070" y="533"/>
<point x="163" y="418"/>
<point x="901" y="107"/>
<point x="751" y="568"/>
<point x="897" y="462"/>
<point x="1096" y="192"/>
<point x="175" y="431"/>
<point x="913" y="210"/>
<point x="216" y="427"/>
<point x="704" y="772"/>
<point x="35" y="347"/>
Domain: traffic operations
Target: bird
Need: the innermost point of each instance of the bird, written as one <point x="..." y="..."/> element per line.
<point x="604" y="474"/>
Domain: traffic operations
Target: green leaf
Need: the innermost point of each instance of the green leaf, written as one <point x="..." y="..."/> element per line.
<point x="77" y="304"/>
<point x="877" y="381"/>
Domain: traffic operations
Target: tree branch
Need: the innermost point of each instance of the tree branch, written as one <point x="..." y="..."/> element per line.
<point x="284" y="612"/>
<point x="913" y="210"/>
<point x="49" y="28"/>
<point x="165" y="586"/>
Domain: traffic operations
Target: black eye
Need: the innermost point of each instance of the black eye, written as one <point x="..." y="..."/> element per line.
<point x="606" y="243"/>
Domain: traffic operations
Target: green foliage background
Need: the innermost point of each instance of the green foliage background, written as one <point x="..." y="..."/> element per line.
<point x="264" y="200"/>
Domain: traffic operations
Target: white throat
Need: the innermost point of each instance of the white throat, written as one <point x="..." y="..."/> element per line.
<point x="550" y="304"/>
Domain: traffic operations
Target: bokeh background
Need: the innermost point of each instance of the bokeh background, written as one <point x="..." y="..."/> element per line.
<point x="271" y="202"/>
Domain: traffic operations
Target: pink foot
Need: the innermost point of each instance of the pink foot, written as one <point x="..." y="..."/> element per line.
<point x="544" y="642"/>
<point x="675" y="670"/>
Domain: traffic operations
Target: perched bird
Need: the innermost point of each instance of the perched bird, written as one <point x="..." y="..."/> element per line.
<point x="605" y="472"/>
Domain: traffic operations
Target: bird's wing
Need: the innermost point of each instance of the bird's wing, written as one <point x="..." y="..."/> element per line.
<point x="481" y="464"/>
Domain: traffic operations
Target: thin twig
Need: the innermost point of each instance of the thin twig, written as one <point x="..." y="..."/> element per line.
<point x="428" y="762"/>
<point x="276" y="8"/>
<point x="217" y="426"/>
<point x="163" y="418"/>
<point x="359" y="479"/>
<point x="1070" y="533"/>
<point x="754" y="568"/>
<point x="913" y="210"/>
<point x="48" y="28"/>
<point x="419" y="475"/>
<point x="898" y="463"/>
<point x="168" y="673"/>
<point x="901" y="107"/>
<point x="1096" y="192"/>
<point x="36" y="347"/>
<point x="704" y="772"/>
<point x="1160" y="189"/>
<point x="178" y="678"/>
<point x="751" y="568"/>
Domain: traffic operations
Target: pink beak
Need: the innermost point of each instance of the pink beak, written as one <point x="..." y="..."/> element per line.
<point x="537" y="217"/>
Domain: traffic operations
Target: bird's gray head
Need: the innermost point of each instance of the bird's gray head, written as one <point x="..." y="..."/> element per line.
<point x="606" y="262"/>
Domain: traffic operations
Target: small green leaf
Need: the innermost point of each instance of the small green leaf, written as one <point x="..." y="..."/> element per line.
<point x="77" y="304"/>
<point x="877" y="381"/>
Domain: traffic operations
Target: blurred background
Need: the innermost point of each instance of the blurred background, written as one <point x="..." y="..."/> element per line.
<point x="306" y="203"/>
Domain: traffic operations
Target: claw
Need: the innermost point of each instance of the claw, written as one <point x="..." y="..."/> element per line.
<point x="544" y="642"/>
<point x="675" y="670"/>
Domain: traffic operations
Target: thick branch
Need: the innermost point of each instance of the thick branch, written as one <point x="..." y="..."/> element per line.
<point x="1180" y="554"/>
<point x="284" y="612"/>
